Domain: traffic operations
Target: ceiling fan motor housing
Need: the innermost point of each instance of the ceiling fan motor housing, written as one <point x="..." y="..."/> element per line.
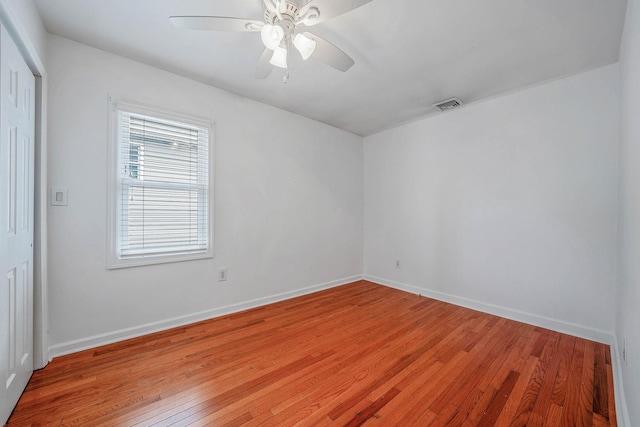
<point x="289" y="16"/>
<point x="290" y="13"/>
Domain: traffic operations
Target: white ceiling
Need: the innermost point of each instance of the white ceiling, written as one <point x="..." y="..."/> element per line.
<point x="409" y="54"/>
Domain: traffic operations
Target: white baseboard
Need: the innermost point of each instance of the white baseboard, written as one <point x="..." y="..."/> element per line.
<point x="622" y="412"/>
<point x="576" y="330"/>
<point x="149" y="328"/>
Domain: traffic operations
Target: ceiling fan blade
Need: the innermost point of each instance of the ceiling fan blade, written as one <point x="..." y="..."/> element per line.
<point x="216" y="23"/>
<point x="330" y="9"/>
<point x="264" y="67"/>
<point x="330" y="54"/>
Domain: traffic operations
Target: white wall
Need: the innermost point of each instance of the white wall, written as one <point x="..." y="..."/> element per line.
<point x="508" y="205"/>
<point x="288" y="204"/>
<point x="628" y="301"/>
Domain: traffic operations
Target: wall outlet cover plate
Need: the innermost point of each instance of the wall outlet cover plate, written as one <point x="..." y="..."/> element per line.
<point x="59" y="196"/>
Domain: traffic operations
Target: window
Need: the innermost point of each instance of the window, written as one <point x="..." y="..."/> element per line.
<point x="160" y="187"/>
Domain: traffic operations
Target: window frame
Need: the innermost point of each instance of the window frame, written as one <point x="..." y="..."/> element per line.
<point x="114" y="260"/>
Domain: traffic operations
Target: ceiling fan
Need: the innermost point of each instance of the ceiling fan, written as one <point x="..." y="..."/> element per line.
<point x="284" y="25"/>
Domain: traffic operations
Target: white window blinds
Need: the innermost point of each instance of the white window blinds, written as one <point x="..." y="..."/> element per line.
<point x="162" y="187"/>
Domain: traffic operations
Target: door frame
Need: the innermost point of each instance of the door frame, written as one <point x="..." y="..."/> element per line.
<point x="40" y="288"/>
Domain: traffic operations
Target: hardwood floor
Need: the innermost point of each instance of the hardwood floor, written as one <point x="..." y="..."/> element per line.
<point x="360" y="354"/>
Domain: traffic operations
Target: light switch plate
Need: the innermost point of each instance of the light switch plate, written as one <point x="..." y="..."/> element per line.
<point x="59" y="196"/>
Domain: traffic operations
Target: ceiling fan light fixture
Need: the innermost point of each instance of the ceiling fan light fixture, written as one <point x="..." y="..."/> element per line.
<point x="271" y="36"/>
<point x="305" y="45"/>
<point x="279" y="58"/>
<point x="280" y="29"/>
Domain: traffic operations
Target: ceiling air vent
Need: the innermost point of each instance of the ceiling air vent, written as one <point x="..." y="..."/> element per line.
<point x="449" y="104"/>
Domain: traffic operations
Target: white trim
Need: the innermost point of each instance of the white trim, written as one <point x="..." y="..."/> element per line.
<point x="149" y="328"/>
<point x="622" y="412"/>
<point x="576" y="330"/>
<point x="41" y="275"/>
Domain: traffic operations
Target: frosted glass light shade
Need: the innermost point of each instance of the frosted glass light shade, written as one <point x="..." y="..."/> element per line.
<point x="305" y="45"/>
<point x="271" y="35"/>
<point x="279" y="58"/>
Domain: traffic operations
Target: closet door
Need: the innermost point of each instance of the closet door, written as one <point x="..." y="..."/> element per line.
<point x="17" y="130"/>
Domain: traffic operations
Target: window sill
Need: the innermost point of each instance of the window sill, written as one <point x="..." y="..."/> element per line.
<point x="117" y="263"/>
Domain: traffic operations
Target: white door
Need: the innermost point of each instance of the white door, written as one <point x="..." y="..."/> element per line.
<point x="17" y="130"/>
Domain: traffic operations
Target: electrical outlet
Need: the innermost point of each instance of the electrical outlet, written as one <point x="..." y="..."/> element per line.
<point x="222" y="275"/>
<point x="624" y="350"/>
<point x="397" y="263"/>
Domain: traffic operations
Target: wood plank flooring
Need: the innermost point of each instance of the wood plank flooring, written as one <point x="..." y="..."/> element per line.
<point x="360" y="354"/>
